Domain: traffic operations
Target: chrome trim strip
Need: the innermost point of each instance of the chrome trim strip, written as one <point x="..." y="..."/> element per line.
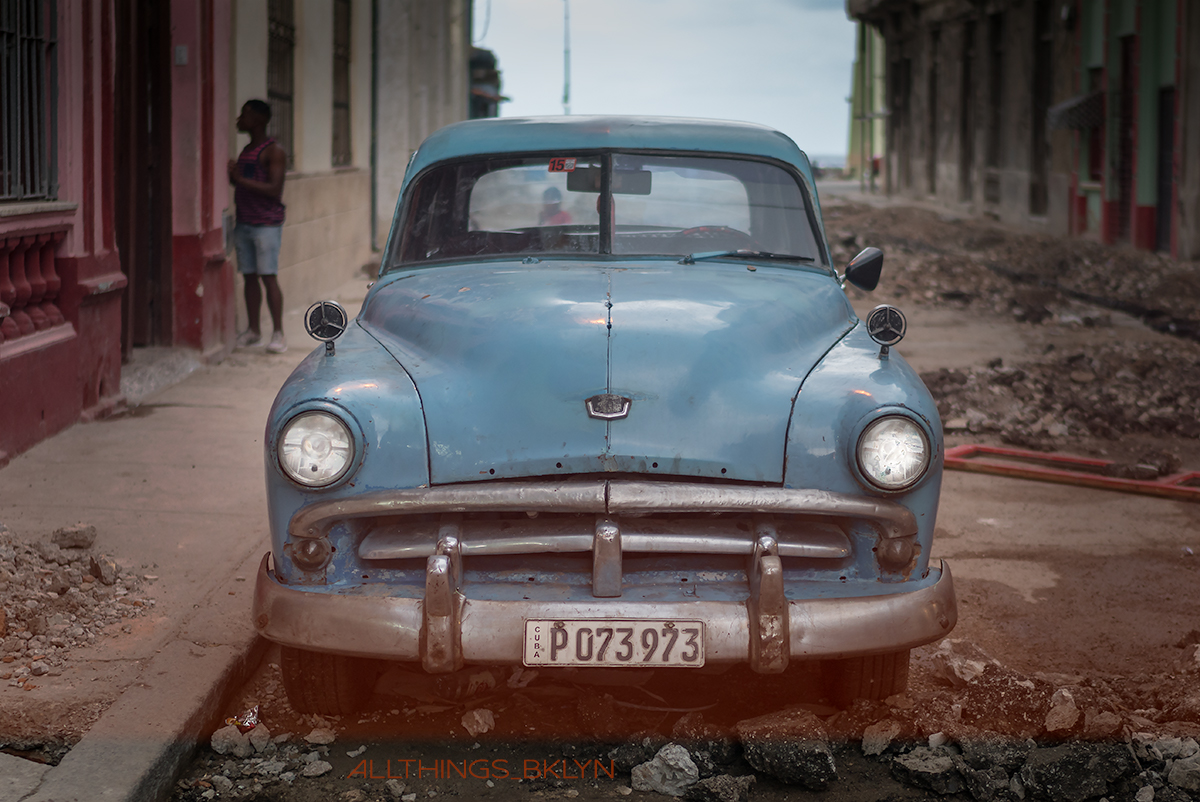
<point x="491" y="632"/>
<point x="814" y="540"/>
<point x="613" y="497"/>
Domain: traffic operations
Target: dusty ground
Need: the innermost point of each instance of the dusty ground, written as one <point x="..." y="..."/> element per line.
<point x="1077" y="607"/>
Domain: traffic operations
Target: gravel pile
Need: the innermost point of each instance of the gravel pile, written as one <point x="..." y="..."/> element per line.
<point x="969" y="726"/>
<point x="1108" y="392"/>
<point x="932" y="257"/>
<point x="56" y="595"/>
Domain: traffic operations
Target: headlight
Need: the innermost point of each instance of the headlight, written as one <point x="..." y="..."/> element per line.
<point x="315" y="449"/>
<point x="893" y="453"/>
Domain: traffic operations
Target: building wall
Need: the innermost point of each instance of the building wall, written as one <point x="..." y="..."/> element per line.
<point x="1187" y="160"/>
<point x="955" y="139"/>
<point x="868" y="105"/>
<point x="202" y="275"/>
<point x="326" y="235"/>
<point x="63" y="361"/>
<point x="423" y="48"/>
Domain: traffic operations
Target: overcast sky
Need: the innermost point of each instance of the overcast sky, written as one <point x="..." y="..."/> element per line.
<point x="783" y="63"/>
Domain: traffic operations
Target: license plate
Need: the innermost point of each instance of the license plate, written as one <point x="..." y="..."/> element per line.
<point x="603" y="642"/>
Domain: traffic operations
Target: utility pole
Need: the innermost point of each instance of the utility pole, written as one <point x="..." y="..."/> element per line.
<point x="567" y="57"/>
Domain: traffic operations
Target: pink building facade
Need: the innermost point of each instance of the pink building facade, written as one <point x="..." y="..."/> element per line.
<point x="113" y="191"/>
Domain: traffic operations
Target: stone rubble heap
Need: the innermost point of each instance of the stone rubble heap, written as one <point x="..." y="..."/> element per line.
<point x="974" y="727"/>
<point x="936" y="258"/>
<point x="1109" y="392"/>
<point x="57" y="595"/>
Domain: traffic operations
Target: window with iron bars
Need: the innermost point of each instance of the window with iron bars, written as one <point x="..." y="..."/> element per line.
<point x="341" y="83"/>
<point x="281" y="73"/>
<point x="28" y="113"/>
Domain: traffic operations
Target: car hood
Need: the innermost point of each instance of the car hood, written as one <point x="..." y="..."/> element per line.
<point x="505" y="355"/>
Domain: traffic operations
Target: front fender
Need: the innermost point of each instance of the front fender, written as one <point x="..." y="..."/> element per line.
<point x="849" y="387"/>
<point x="364" y="384"/>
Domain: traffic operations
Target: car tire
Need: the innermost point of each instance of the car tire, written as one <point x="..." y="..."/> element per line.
<point x="326" y="684"/>
<point x="875" y="677"/>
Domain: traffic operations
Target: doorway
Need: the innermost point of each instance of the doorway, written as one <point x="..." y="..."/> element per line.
<point x="142" y="162"/>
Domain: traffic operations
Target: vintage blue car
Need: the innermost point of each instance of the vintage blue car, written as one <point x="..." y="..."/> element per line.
<point x="607" y="405"/>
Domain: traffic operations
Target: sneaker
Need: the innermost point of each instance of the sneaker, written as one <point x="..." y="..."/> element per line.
<point x="278" y="343"/>
<point x="248" y="338"/>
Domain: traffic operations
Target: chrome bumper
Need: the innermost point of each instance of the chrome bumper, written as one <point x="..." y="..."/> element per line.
<point x="446" y="630"/>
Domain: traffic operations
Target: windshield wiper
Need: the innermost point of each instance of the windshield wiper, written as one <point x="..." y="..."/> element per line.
<point x="692" y="258"/>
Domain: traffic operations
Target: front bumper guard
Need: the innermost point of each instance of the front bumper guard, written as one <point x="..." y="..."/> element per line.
<point x="446" y="630"/>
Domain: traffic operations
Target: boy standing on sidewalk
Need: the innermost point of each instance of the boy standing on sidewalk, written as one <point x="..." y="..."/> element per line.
<point x="257" y="176"/>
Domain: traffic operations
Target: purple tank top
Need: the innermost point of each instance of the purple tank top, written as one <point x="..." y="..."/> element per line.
<point x="254" y="208"/>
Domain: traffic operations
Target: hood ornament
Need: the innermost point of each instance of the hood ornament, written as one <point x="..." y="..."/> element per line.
<point x="886" y="325"/>
<point x="326" y="321"/>
<point x="608" y="406"/>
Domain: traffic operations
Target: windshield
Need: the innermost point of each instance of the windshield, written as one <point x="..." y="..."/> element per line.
<point x="553" y="205"/>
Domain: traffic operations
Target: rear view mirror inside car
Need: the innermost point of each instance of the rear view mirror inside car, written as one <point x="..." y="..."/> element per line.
<point x="625" y="182"/>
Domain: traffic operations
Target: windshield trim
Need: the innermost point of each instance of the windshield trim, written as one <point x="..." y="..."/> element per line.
<point x="393" y="244"/>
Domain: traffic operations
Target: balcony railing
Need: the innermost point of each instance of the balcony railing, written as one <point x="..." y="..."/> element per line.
<point x="29" y="285"/>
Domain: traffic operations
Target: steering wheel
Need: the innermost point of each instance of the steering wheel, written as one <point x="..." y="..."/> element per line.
<point x="714" y="232"/>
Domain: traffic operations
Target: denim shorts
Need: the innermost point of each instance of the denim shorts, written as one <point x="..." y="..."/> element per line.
<point x="257" y="248"/>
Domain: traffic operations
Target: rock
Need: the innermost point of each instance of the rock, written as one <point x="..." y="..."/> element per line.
<point x="270" y="768"/>
<point x="1098" y="724"/>
<point x="959" y="662"/>
<point x="1062" y="718"/>
<point x="59" y="583"/>
<point x="229" y="740"/>
<point x="259" y="737"/>
<point x="790" y="745"/>
<point x="1073" y="772"/>
<point x="50" y="553"/>
<point x="80" y="536"/>
<point x="692" y="732"/>
<point x="105" y="569"/>
<point x="222" y="785"/>
<point x="635" y="752"/>
<point x="1185" y="773"/>
<point x="670" y="772"/>
<point x="394" y="788"/>
<point x="316" y="769"/>
<point x="983" y="750"/>
<point x="1006" y="702"/>
<point x="321" y="736"/>
<point x="1144" y="794"/>
<point x="1171" y="748"/>
<point x="984" y="785"/>
<point x="878" y="737"/>
<point x="38" y="668"/>
<point x="722" y="788"/>
<point x="478" y="721"/>
<point x="927" y="768"/>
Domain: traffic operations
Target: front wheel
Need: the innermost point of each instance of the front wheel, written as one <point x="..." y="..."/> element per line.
<point x="875" y="677"/>
<point x="326" y="684"/>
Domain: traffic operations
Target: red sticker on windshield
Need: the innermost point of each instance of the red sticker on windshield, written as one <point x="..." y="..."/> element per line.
<point x="561" y="164"/>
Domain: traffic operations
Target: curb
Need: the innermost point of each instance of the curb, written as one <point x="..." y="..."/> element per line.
<point x="146" y="738"/>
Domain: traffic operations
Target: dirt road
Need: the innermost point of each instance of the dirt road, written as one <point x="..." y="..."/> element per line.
<point x="1069" y="590"/>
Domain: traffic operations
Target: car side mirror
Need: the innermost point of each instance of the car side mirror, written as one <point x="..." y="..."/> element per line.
<point x="864" y="269"/>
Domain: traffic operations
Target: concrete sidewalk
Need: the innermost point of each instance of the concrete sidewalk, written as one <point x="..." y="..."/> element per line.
<point x="175" y="489"/>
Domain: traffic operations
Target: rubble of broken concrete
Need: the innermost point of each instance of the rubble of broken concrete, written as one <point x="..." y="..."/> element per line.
<point x="59" y="594"/>
<point x="969" y="728"/>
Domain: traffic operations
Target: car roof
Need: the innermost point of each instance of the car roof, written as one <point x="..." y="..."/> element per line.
<point x="566" y="134"/>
